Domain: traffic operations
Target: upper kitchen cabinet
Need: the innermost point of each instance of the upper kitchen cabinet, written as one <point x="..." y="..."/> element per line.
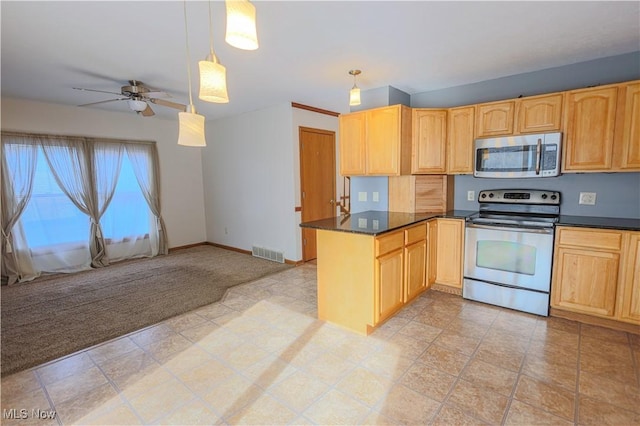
<point x="495" y="119"/>
<point x="429" y="143"/>
<point x="460" y="124"/>
<point x="626" y="149"/>
<point x="352" y="144"/>
<point x="539" y="114"/>
<point x="590" y="116"/>
<point x="376" y="142"/>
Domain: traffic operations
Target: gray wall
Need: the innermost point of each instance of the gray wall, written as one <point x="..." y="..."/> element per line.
<point x="613" y="69"/>
<point x="618" y="194"/>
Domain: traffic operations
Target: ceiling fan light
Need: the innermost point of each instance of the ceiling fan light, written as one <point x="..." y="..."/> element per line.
<point x="241" y="25"/>
<point x="354" y="96"/>
<point x="213" y="82"/>
<point x="191" y="129"/>
<point x="137" y="105"/>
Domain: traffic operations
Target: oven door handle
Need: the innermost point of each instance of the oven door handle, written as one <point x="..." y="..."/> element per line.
<point x="538" y="155"/>
<point x="515" y="228"/>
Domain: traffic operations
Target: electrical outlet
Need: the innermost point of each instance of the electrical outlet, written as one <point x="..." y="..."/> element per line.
<point x="588" y="198"/>
<point x="375" y="197"/>
<point x="471" y="195"/>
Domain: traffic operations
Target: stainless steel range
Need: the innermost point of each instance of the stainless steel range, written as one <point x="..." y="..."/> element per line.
<point x="509" y="249"/>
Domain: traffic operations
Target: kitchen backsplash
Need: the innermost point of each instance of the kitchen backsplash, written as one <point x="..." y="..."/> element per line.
<point x="617" y="194"/>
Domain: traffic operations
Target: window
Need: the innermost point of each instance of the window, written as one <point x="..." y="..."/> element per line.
<point x="56" y="188"/>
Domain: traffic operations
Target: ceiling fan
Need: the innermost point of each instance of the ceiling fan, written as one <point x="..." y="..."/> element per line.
<point x="138" y="96"/>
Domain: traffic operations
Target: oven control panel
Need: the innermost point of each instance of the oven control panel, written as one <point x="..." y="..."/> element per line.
<point x="519" y="196"/>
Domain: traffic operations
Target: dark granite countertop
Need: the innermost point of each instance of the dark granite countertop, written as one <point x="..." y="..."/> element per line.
<point x="629" y="224"/>
<point x="378" y="222"/>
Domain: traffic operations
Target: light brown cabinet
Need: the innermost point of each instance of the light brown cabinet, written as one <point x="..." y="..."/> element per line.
<point x="589" y="129"/>
<point x="626" y="154"/>
<point x="389" y="276"/>
<point x="415" y="257"/>
<point x="365" y="279"/>
<point x="629" y="292"/>
<point x="460" y="126"/>
<point x="539" y="114"/>
<point x="352" y="143"/>
<point x="376" y="142"/>
<point x="596" y="273"/>
<point x="495" y="119"/>
<point x="449" y="252"/>
<point x="429" y="141"/>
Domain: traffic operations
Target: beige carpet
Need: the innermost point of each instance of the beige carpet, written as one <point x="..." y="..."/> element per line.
<point x="57" y="315"/>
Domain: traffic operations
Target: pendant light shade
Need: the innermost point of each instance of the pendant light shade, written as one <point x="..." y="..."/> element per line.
<point x="354" y="94"/>
<point x="213" y="81"/>
<point x="241" y="25"/>
<point x="191" y="128"/>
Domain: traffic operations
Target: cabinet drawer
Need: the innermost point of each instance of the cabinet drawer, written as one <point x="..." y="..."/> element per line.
<point x="415" y="233"/>
<point x="389" y="242"/>
<point x="609" y="240"/>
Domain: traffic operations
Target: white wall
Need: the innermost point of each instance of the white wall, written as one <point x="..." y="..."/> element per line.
<point x="248" y="171"/>
<point x="251" y="169"/>
<point x="180" y="167"/>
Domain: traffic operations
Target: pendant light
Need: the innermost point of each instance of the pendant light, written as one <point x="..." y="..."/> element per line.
<point x="241" y="24"/>
<point x="354" y="94"/>
<point x="191" y="124"/>
<point x="213" y="75"/>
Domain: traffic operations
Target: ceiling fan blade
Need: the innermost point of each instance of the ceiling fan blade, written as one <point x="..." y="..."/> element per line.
<point x="99" y="91"/>
<point x="148" y="112"/>
<point x="104" y="102"/>
<point x="157" y="94"/>
<point x="168" y="104"/>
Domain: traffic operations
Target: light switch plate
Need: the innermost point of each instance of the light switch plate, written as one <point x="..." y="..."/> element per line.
<point x="471" y="195"/>
<point x="362" y="196"/>
<point x="375" y="196"/>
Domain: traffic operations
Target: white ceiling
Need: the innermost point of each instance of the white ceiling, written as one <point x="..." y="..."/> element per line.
<point x="306" y="48"/>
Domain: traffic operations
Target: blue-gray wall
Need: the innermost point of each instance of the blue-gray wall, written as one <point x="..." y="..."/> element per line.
<point x="618" y="194"/>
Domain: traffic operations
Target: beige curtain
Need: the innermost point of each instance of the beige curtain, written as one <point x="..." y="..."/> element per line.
<point x="17" y="185"/>
<point x="145" y="162"/>
<point x="87" y="172"/>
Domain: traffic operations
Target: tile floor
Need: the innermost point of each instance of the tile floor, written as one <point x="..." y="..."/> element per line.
<point x="261" y="357"/>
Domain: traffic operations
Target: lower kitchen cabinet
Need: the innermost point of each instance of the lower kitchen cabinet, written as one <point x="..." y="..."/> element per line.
<point x="364" y="279"/>
<point x="629" y="293"/>
<point x="449" y="252"/>
<point x="596" y="272"/>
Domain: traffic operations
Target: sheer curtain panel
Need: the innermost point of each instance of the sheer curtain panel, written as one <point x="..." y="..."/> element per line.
<point x="58" y="191"/>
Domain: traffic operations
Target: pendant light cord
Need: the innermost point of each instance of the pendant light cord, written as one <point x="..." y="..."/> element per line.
<point x="213" y="55"/>
<point x="186" y="37"/>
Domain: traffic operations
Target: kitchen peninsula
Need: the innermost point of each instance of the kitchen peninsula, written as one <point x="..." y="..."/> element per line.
<point x="371" y="264"/>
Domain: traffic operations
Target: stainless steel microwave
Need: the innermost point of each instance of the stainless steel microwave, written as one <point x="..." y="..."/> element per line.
<point x="523" y="156"/>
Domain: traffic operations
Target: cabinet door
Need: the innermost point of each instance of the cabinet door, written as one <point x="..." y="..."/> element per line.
<point x="449" y="252"/>
<point x="630" y="285"/>
<point x="388" y="284"/>
<point x="383" y="141"/>
<point x="460" y="140"/>
<point x="432" y="251"/>
<point x="494" y="119"/>
<point x="589" y="126"/>
<point x="585" y="281"/>
<point x="415" y="269"/>
<point x="352" y="144"/>
<point x="540" y="114"/>
<point x="630" y="132"/>
<point x="428" y="148"/>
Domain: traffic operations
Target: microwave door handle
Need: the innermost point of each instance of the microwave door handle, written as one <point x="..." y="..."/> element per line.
<point x="538" y="155"/>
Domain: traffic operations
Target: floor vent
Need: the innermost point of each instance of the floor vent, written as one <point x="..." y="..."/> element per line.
<point x="264" y="253"/>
